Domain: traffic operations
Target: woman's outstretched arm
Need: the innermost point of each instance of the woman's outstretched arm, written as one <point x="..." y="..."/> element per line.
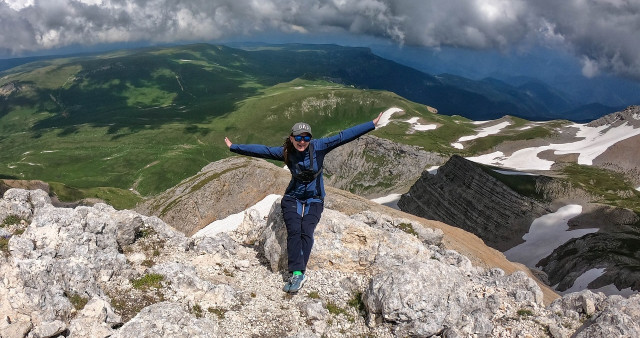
<point x="256" y="150"/>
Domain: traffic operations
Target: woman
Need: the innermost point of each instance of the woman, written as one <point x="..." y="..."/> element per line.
<point x="303" y="200"/>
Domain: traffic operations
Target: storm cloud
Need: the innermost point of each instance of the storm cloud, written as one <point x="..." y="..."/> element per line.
<point x="603" y="34"/>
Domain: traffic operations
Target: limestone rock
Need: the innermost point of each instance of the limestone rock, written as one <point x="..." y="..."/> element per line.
<point x="96" y="319"/>
<point x="188" y="287"/>
<point x="371" y="166"/>
<point x="427" y="297"/>
<point x="620" y="317"/>
<point x="408" y="282"/>
<point x="48" y="329"/>
<point x="251" y="228"/>
<point x="384" y="222"/>
<point x="22" y="203"/>
<point x="167" y="319"/>
<point x="221" y="243"/>
<point x="342" y="243"/>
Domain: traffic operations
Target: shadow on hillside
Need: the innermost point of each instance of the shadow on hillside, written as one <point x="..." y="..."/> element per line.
<point x="138" y="92"/>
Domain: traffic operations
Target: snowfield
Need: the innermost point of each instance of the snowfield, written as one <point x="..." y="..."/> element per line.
<point x="595" y="141"/>
<point x="232" y="222"/>
<point x="389" y="200"/>
<point x="582" y="282"/>
<point x="484" y="132"/>
<point x="545" y="234"/>
<point x="386" y="116"/>
<point x="415" y="126"/>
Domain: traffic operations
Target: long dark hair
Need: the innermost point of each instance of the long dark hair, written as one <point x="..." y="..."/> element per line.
<point x="288" y="149"/>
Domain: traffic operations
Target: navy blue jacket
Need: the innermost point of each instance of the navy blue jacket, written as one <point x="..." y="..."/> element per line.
<point x="297" y="188"/>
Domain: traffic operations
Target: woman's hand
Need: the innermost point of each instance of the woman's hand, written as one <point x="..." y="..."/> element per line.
<point x="226" y="140"/>
<point x="377" y="119"/>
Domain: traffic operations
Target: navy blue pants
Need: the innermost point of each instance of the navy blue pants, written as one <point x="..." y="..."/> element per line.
<point x="301" y="220"/>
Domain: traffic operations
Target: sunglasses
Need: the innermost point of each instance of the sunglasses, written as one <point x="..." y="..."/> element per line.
<point x="299" y="138"/>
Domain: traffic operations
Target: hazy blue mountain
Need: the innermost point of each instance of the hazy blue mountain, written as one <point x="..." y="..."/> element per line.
<point x="557" y="69"/>
<point x="589" y="112"/>
<point x="483" y="99"/>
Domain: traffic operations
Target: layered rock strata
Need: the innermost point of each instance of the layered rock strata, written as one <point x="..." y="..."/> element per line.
<point x="464" y="195"/>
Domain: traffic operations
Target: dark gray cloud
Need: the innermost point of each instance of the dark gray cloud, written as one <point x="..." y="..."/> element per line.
<point x="603" y="34"/>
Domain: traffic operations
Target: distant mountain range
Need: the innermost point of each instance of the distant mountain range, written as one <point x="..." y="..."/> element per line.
<point x="488" y="98"/>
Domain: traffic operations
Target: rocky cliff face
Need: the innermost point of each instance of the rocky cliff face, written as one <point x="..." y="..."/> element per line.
<point x="220" y="189"/>
<point x="613" y="249"/>
<point x="464" y="195"/>
<point x="371" y="166"/>
<point x="98" y="272"/>
<point x="621" y="157"/>
<point x="630" y="115"/>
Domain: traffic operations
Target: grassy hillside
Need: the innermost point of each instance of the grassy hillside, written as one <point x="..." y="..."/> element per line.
<point x="144" y="121"/>
<point x="140" y="121"/>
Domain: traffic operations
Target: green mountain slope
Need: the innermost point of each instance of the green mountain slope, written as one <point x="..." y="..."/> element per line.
<point x="142" y="120"/>
<point x="146" y="121"/>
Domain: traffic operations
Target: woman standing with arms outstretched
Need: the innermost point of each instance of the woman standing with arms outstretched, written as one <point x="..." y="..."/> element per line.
<point x="303" y="200"/>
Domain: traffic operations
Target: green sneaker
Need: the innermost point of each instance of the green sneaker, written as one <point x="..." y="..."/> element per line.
<point x="287" y="285"/>
<point x="296" y="282"/>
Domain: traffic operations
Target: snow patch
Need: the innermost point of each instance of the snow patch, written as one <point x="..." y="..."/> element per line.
<point x="596" y="140"/>
<point x="232" y="222"/>
<point x="581" y="282"/>
<point x="386" y="116"/>
<point x="420" y="127"/>
<point x="589" y="276"/>
<point x="389" y="200"/>
<point x="509" y="172"/>
<point x="433" y="170"/>
<point x="484" y="132"/>
<point x="638" y="188"/>
<point x="546" y="234"/>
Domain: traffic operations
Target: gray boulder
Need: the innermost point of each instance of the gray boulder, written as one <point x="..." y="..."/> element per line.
<point x="620" y="317"/>
<point x="343" y="244"/>
<point x="167" y="319"/>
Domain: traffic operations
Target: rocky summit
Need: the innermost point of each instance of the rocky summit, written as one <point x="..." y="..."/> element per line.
<point x="99" y="272"/>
